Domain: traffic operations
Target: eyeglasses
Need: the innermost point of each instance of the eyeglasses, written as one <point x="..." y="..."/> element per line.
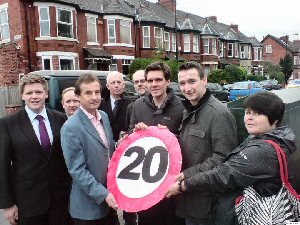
<point x="140" y="81"/>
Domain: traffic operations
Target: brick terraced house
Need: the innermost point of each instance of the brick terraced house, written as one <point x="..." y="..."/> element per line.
<point x="109" y="34"/>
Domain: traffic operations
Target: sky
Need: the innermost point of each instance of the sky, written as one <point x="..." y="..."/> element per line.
<point x="254" y="17"/>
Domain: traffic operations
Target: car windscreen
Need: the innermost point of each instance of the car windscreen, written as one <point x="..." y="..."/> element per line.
<point x="241" y="86"/>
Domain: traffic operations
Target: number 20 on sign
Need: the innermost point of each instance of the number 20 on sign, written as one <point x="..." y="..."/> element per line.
<point x="143" y="167"/>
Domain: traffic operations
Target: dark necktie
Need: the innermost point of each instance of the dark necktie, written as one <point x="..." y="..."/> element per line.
<point x="44" y="137"/>
<point x="116" y="108"/>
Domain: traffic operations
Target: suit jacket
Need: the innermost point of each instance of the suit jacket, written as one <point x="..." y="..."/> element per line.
<point x="29" y="177"/>
<point x="87" y="160"/>
<point x="119" y="123"/>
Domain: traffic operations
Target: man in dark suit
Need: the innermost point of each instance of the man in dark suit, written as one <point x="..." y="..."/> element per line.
<point x="115" y="105"/>
<point x="34" y="181"/>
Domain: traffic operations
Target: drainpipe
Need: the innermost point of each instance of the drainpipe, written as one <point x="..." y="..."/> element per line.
<point x="27" y="20"/>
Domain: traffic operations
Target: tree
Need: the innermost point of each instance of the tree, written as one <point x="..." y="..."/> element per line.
<point x="287" y="66"/>
<point x="216" y="76"/>
<point x="233" y="73"/>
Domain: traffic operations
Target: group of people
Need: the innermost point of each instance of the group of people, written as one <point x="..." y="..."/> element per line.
<point x="53" y="166"/>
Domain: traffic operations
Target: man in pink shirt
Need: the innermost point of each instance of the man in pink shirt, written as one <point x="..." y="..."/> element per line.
<point x="87" y="143"/>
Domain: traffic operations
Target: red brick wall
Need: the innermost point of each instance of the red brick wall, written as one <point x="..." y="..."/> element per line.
<point x="278" y="51"/>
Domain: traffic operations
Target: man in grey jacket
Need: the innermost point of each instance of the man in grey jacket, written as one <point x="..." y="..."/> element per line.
<point x="208" y="133"/>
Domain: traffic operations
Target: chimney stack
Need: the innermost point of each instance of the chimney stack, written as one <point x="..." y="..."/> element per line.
<point x="234" y="27"/>
<point x="169" y="4"/>
<point x="212" y="19"/>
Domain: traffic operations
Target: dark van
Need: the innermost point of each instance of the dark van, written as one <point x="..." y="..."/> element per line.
<point x="58" y="80"/>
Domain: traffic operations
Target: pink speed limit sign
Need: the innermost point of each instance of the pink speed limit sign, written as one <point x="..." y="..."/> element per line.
<point x="143" y="167"/>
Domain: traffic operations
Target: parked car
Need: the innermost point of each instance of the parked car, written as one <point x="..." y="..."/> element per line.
<point x="58" y="80"/>
<point x="294" y="84"/>
<point x="244" y="88"/>
<point x="270" y="84"/>
<point x="228" y="87"/>
<point x="176" y="89"/>
<point x="218" y="91"/>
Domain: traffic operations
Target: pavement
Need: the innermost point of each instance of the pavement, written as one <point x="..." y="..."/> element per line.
<point x="3" y="220"/>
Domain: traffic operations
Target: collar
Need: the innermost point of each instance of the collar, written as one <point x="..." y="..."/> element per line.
<point x="32" y="114"/>
<point x="90" y="116"/>
<point x="191" y="108"/>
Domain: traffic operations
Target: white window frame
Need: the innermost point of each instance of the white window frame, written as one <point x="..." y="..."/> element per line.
<point x="249" y="52"/>
<point x="167" y="41"/>
<point x="230" y="48"/>
<point x="173" y="42"/>
<point x="65" y="23"/>
<point x="206" y="46"/>
<point x="4" y="8"/>
<point x="158" y="39"/>
<point x="114" y="65"/>
<point x="43" y="63"/>
<point x="111" y="37"/>
<point x="296" y="60"/>
<point x="214" y="46"/>
<point x="146" y="39"/>
<point x="90" y="26"/>
<point x="269" y="49"/>
<point x="44" y="21"/>
<point x="67" y="58"/>
<point x="187" y="42"/>
<point x="221" y="49"/>
<point x="196" y="43"/>
<point x="242" y="51"/>
<point x="125" y="26"/>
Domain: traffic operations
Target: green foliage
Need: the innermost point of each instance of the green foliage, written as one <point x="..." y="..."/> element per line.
<point x="280" y="77"/>
<point x="233" y="73"/>
<point x="287" y="66"/>
<point x="142" y="63"/>
<point x="216" y="76"/>
<point x="255" y="78"/>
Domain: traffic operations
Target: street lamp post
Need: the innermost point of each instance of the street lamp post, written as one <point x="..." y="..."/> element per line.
<point x="176" y="41"/>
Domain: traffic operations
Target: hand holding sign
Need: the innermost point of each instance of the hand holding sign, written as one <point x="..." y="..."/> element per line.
<point x="143" y="167"/>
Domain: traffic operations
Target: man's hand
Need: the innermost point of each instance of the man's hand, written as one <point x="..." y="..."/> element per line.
<point x="180" y="177"/>
<point x="162" y="126"/>
<point x="140" y="126"/>
<point x="11" y="214"/>
<point x="111" y="201"/>
<point x="174" y="189"/>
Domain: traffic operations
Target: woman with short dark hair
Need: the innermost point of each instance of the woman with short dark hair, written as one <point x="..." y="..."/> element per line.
<point x="253" y="163"/>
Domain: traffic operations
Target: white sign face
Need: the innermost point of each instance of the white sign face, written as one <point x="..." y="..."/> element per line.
<point x="142" y="167"/>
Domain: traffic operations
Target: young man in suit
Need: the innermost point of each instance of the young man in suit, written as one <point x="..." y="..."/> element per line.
<point x="115" y="105"/>
<point x="87" y="144"/>
<point x="34" y="181"/>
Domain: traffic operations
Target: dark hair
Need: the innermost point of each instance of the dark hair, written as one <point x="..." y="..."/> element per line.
<point x="85" y="78"/>
<point x="159" y="66"/>
<point x="32" y="78"/>
<point x="268" y="104"/>
<point x="193" y="65"/>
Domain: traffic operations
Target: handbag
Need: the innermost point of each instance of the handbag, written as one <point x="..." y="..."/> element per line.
<point x="282" y="208"/>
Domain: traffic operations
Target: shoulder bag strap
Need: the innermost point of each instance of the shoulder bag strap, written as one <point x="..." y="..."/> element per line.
<point x="283" y="168"/>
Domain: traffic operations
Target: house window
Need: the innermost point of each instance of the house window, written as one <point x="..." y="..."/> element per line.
<point x="113" y="66"/>
<point x="195" y="43"/>
<point x="221" y="49"/>
<point x="269" y="49"/>
<point x="187" y="43"/>
<point x="125" y="31"/>
<point x="44" y="22"/>
<point x="47" y="63"/>
<point x="146" y="37"/>
<point x="236" y="50"/>
<point x="206" y="69"/>
<point x="111" y="27"/>
<point x="249" y="52"/>
<point x="206" y="46"/>
<point x="158" y="37"/>
<point x="64" y="23"/>
<point x="4" y="25"/>
<point x="230" y="50"/>
<point x="91" y="29"/>
<point x="214" y="46"/>
<point x="167" y="41"/>
<point x="173" y="43"/>
<point x="242" y="53"/>
<point x="296" y="60"/>
<point x="125" y="66"/>
<point x="66" y="63"/>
